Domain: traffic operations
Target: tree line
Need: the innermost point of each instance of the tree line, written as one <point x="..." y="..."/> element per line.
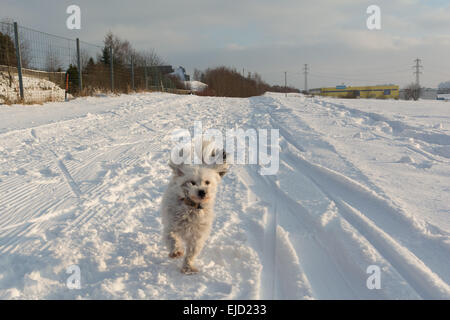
<point x="228" y="82"/>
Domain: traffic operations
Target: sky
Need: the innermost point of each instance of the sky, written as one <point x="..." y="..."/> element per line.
<point x="268" y="37"/>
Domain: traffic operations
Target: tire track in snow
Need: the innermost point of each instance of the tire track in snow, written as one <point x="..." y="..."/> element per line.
<point x="270" y="270"/>
<point x="418" y="275"/>
<point x="267" y="238"/>
<point x="337" y="187"/>
<point x="385" y="244"/>
<point x="72" y="184"/>
<point x="398" y="216"/>
<point x="314" y="266"/>
<point x="67" y="176"/>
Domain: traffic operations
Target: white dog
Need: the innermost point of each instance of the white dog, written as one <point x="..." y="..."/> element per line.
<point x="187" y="208"/>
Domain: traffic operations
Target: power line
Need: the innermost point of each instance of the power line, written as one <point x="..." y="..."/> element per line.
<point x="363" y="72"/>
<point x="372" y="79"/>
<point x="417" y="72"/>
<point x="343" y="74"/>
<point x="305" y="72"/>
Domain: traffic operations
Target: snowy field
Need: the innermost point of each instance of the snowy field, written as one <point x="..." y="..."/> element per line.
<point x="360" y="183"/>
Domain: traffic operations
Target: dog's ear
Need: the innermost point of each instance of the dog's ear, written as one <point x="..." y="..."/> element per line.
<point x="222" y="173"/>
<point x="221" y="169"/>
<point x="176" y="168"/>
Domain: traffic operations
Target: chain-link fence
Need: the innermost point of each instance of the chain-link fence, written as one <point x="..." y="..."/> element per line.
<point x="37" y="67"/>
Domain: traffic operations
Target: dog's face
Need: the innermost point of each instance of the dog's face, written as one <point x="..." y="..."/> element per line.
<point x="198" y="183"/>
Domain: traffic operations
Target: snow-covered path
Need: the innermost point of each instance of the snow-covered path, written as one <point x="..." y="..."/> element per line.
<point x="360" y="183"/>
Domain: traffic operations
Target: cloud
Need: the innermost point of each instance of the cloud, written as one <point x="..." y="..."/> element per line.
<point x="234" y="47"/>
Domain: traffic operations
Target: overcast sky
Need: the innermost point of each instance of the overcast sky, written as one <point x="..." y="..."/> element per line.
<point x="268" y="37"/>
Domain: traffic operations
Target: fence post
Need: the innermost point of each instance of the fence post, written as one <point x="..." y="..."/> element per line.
<point x="132" y="73"/>
<point x="19" y="60"/>
<point x="80" y="78"/>
<point x="67" y="86"/>
<point x="146" y="76"/>
<point x="111" y="67"/>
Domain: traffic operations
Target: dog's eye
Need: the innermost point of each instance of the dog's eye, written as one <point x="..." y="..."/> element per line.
<point x="192" y="182"/>
<point x="206" y="182"/>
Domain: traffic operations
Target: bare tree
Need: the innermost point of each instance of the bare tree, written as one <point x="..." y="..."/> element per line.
<point x="152" y="58"/>
<point x="413" y="91"/>
<point x="52" y="61"/>
<point x="122" y="49"/>
<point x="84" y="59"/>
<point x="197" y="75"/>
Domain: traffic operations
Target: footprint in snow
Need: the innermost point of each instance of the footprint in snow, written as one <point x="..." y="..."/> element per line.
<point x="48" y="173"/>
<point x="406" y="159"/>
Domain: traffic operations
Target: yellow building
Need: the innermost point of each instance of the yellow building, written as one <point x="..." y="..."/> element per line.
<point x="378" y="92"/>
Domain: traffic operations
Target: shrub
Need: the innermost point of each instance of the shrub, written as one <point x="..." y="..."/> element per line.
<point x="226" y="82"/>
<point x="413" y="91"/>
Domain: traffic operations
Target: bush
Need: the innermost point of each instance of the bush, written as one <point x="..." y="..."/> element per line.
<point x="226" y="82"/>
<point x="413" y="91"/>
<point x="175" y="82"/>
<point x="7" y="51"/>
<point x="282" y="89"/>
<point x="73" y="79"/>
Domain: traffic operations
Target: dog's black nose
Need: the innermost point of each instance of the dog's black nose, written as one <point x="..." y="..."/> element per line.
<point x="201" y="193"/>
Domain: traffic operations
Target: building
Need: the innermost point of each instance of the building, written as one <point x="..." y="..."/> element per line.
<point x="377" y="92"/>
<point x="160" y="69"/>
<point x="180" y="72"/>
<point x="444" y="97"/>
<point x="429" y="93"/>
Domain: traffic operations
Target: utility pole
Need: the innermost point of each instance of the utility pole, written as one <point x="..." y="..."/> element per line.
<point x="285" y="84"/>
<point x="417" y="71"/>
<point x="305" y="72"/>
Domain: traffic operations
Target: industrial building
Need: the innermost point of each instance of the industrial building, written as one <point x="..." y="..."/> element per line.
<point x="377" y="92"/>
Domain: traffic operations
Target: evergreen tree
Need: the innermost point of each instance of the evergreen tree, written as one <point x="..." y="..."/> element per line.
<point x="73" y="78"/>
<point x="105" y="56"/>
<point x="90" y="67"/>
<point x="7" y="51"/>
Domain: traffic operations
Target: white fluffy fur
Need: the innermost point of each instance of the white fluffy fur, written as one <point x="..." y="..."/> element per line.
<point x="187" y="223"/>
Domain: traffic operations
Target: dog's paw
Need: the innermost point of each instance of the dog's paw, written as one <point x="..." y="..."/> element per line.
<point x="176" y="254"/>
<point x="187" y="269"/>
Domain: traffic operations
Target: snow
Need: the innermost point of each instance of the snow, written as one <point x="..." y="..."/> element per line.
<point x="35" y="89"/>
<point x="195" y="85"/>
<point x="179" y="73"/>
<point x="360" y="183"/>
